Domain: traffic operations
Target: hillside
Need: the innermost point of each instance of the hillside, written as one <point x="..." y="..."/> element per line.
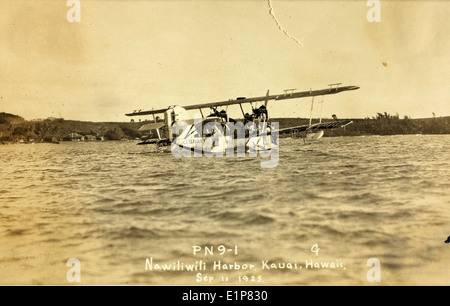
<point x="57" y="129"/>
<point x="6" y="118"/>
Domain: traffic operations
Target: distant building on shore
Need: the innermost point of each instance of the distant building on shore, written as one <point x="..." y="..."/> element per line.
<point x="90" y="138"/>
<point x="74" y="137"/>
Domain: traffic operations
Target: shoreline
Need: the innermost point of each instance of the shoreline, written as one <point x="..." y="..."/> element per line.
<point x="15" y="129"/>
<point x="285" y="136"/>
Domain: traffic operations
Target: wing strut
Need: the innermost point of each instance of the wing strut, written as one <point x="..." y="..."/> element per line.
<point x="321" y="107"/>
<point x="242" y="110"/>
<point x="310" y="114"/>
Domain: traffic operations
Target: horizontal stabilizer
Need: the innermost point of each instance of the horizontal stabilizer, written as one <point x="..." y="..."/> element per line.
<point x="151" y="126"/>
<point x="148" y="112"/>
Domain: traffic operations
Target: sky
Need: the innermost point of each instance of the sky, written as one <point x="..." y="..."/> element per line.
<point x="127" y="55"/>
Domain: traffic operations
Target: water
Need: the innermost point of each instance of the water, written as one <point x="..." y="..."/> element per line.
<point x="113" y="205"/>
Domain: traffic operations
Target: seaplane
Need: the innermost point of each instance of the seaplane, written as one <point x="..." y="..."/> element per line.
<point x="217" y="133"/>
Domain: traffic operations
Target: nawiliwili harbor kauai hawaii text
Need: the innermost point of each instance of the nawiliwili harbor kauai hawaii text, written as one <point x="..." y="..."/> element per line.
<point x="218" y="264"/>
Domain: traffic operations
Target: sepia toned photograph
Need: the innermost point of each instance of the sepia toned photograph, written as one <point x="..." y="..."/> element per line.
<point x="224" y="143"/>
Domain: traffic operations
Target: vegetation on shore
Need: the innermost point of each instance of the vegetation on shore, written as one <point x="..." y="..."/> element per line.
<point x="14" y="128"/>
<point x="381" y="124"/>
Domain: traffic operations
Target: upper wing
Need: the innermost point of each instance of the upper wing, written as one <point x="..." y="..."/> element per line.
<point x="316" y="127"/>
<point x="284" y="96"/>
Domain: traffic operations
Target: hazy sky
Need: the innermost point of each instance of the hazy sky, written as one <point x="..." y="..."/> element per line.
<point x="127" y="55"/>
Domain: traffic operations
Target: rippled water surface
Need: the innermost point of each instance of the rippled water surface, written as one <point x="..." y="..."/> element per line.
<point x="113" y="205"/>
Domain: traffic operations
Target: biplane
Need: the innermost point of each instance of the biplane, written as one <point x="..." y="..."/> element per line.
<point x="196" y="131"/>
